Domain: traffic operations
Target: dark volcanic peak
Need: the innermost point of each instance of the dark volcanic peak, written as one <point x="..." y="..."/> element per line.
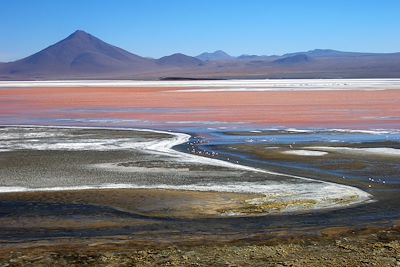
<point x="79" y="34"/>
<point x="78" y="54"/>
<point x="78" y="44"/>
<point x="295" y="59"/>
<point x="179" y="60"/>
<point x="218" y="55"/>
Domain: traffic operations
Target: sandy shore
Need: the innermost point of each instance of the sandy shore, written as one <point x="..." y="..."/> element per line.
<point x="335" y="247"/>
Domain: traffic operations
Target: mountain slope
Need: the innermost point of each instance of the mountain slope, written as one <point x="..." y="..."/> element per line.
<point x="79" y="54"/>
<point x="295" y="59"/>
<point x="179" y="60"/>
<point x="330" y="53"/>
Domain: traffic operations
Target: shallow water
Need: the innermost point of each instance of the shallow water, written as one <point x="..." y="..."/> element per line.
<point x="375" y="173"/>
<point x="153" y="165"/>
<point x="381" y="212"/>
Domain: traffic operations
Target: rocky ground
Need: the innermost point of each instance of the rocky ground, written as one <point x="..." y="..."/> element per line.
<point x="380" y="248"/>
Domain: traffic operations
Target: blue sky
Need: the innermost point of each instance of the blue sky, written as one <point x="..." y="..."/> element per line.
<point x="160" y="27"/>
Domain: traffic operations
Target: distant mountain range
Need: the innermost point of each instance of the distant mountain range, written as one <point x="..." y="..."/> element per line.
<point x="218" y="55"/>
<point x="83" y="56"/>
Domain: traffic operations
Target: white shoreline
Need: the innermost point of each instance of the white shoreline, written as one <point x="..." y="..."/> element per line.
<point x="224" y="85"/>
<point x="375" y="151"/>
<point x="165" y="147"/>
<point x="328" y="130"/>
<point x="307" y="153"/>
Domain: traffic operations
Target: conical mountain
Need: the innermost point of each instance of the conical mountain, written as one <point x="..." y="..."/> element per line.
<point x="80" y="54"/>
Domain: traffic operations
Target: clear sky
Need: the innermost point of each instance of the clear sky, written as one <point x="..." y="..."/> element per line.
<point x="156" y="28"/>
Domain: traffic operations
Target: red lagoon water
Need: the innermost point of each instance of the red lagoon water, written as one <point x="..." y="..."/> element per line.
<point x="347" y="109"/>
